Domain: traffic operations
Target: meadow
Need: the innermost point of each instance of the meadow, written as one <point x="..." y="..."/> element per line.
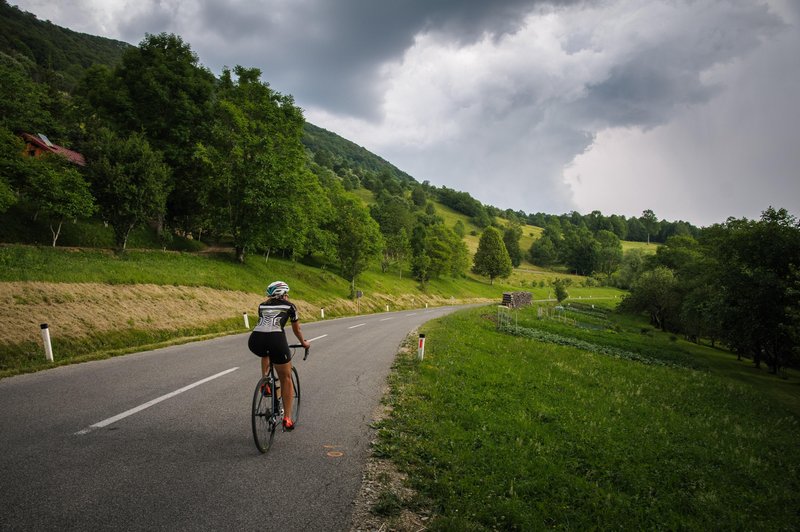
<point x="582" y="419"/>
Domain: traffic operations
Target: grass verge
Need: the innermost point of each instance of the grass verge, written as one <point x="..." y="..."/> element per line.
<point x="507" y="432"/>
<point x="26" y="357"/>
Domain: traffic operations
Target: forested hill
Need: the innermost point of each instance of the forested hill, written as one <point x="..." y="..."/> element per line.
<point x="51" y="52"/>
<point x="339" y="154"/>
<point x="61" y="56"/>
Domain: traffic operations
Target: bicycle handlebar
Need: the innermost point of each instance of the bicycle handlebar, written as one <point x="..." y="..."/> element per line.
<point x="305" y="356"/>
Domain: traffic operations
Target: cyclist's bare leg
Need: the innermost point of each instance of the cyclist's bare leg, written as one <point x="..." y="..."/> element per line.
<point x="264" y="366"/>
<point x="285" y="375"/>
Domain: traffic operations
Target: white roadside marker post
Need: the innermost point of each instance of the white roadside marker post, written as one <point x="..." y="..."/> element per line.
<point x="322" y="313"/>
<point x="246" y="320"/>
<point x="421" y="348"/>
<point x="48" y="347"/>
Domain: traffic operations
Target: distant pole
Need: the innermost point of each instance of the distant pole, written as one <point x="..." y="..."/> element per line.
<point x="246" y="320"/>
<point x="322" y="313"/>
<point x="387" y="308"/>
<point x="421" y="348"/>
<point x="48" y="347"/>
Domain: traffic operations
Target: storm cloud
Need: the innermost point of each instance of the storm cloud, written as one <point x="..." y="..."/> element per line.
<point x="687" y="108"/>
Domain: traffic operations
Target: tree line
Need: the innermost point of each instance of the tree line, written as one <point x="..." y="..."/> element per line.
<point x="169" y="145"/>
<point x="737" y="283"/>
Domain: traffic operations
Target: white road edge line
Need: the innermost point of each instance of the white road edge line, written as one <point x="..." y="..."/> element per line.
<point x="109" y="421"/>
<point x="318" y="337"/>
<point x="384" y="319"/>
<point x="359" y="325"/>
<point x="412" y="314"/>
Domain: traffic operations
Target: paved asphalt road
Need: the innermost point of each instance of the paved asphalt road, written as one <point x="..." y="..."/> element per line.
<point x="187" y="461"/>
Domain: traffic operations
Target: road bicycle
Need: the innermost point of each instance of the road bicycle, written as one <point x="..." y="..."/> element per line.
<point x="268" y="404"/>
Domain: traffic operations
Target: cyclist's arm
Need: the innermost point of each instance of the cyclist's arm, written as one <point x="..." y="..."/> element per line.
<point x="299" y="334"/>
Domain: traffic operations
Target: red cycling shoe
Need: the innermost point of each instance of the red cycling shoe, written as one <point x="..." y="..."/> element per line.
<point x="288" y="424"/>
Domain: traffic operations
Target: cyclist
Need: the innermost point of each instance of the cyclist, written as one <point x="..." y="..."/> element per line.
<point x="268" y="341"/>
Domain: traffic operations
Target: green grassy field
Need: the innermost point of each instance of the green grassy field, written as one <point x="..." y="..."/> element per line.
<point x="584" y="421"/>
<point x="644" y="246"/>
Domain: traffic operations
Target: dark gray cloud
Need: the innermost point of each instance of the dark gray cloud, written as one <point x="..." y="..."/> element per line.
<point x="657" y="75"/>
<point x="618" y="105"/>
<point x="331" y="53"/>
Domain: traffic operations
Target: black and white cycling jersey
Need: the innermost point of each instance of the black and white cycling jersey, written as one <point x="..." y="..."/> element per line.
<point x="273" y="315"/>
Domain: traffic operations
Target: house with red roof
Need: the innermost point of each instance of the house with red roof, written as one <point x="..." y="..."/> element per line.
<point x="37" y="145"/>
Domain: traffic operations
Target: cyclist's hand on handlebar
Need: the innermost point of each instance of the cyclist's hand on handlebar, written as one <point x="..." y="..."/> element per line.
<point x="306" y="344"/>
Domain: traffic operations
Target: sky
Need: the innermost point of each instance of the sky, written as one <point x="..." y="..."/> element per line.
<point x="688" y="108"/>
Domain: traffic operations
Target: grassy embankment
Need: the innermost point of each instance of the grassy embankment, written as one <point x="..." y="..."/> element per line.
<point x="100" y="304"/>
<point x="593" y="422"/>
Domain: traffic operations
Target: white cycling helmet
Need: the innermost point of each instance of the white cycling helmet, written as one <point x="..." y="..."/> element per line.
<point x="278" y="288"/>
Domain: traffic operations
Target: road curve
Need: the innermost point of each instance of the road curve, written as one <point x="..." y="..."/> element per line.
<point x="162" y="440"/>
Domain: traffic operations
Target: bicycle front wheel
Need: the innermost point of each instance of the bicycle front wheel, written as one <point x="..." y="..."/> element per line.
<point x="263" y="421"/>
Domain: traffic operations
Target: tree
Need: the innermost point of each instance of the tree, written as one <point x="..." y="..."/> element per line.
<point x="258" y="162"/>
<point x="678" y="253"/>
<point x="392" y="214"/>
<point x="655" y="292"/>
<point x="758" y="271"/>
<point x="702" y="311"/>
<point x="650" y="223"/>
<point x="359" y="239"/>
<point x="459" y="229"/>
<point x="636" y="230"/>
<point x="420" y="267"/>
<point x="579" y="250"/>
<point x="13" y="168"/>
<point x="447" y="252"/>
<point x="160" y="90"/>
<point x="609" y="254"/>
<point x="632" y="265"/>
<point x="511" y="236"/>
<point x="7" y="197"/>
<point x="619" y="226"/>
<point x="24" y="104"/>
<point x="560" y="289"/>
<point x="397" y="250"/>
<point x="129" y="181"/>
<point x="491" y="259"/>
<point x="543" y="252"/>
<point x="418" y="196"/>
<point x="420" y="261"/>
<point x="59" y="192"/>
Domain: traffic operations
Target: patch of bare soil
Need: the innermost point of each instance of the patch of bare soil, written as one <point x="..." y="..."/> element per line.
<point x="78" y="309"/>
<point x="383" y="501"/>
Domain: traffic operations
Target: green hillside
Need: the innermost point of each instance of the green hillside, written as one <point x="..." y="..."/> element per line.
<point x="60" y="55"/>
<point x="341" y="155"/>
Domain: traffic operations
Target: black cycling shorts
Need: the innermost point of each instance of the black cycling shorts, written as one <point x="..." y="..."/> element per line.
<point x="272" y="345"/>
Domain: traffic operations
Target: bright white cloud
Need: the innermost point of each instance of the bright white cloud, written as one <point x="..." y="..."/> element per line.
<point x="735" y="155"/>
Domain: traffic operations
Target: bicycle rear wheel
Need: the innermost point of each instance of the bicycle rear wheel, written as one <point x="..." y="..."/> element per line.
<point x="263" y="421"/>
